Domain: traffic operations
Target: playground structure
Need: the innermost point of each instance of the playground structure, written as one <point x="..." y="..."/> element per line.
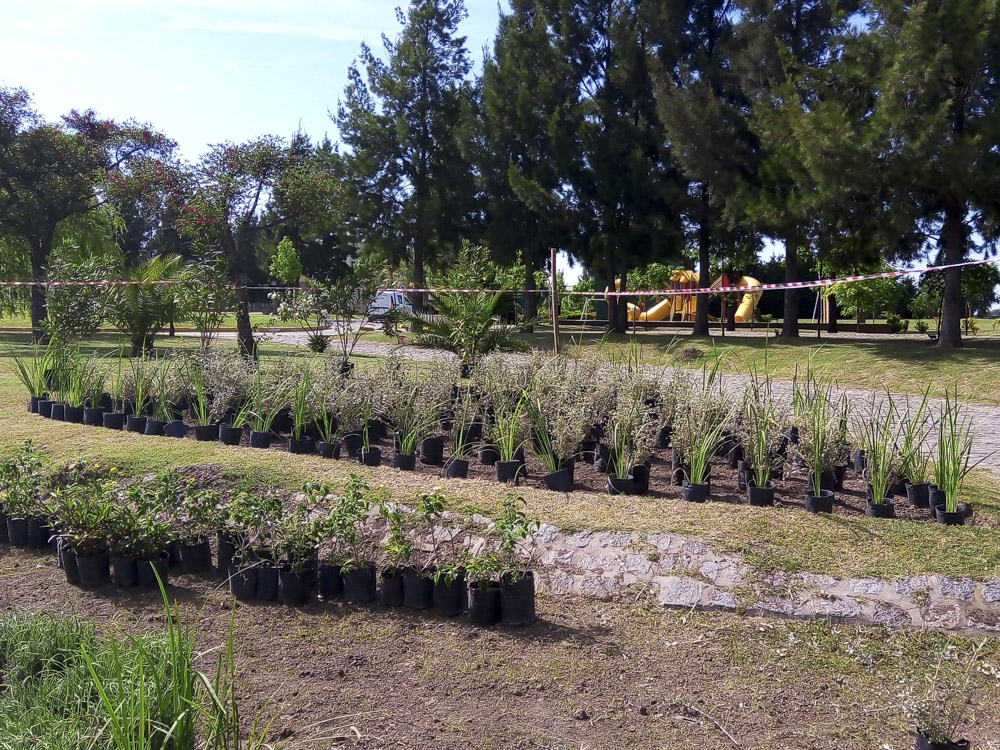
<point x="683" y="307"/>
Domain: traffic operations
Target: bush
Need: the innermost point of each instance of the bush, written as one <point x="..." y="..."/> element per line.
<point x="896" y="324"/>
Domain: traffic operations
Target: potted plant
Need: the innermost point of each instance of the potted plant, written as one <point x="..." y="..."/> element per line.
<point x="631" y="428"/>
<point x="816" y="447"/>
<point x="162" y="413"/>
<point x="484" y="572"/>
<point x="82" y="513"/>
<point x="265" y="401"/>
<point x="370" y="455"/>
<point x="197" y="518"/>
<point x="20" y="482"/>
<point x="508" y="434"/>
<point x="77" y="373"/>
<point x="93" y="410"/>
<point x="31" y="373"/>
<point x="301" y="402"/>
<point x="413" y="419"/>
<point x="297" y="537"/>
<point x="205" y="429"/>
<point x="466" y="434"/>
<point x="114" y="418"/>
<point x="349" y="516"/>
<point x="248" y="524"/>
<point x="140" y="535"/>
<point x="517" y="583"/>
<point x="559" y="423"/>
<point x="761" y="437"/>
<point x="878" y="426"/>
<point x="700" y="431"/>
<point x="138" y="385"/>
<point x="396" y="550"/>
<point x="956" y="437"/>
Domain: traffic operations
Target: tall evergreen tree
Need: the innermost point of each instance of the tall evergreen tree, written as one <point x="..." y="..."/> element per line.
<point x="402" y="121"/>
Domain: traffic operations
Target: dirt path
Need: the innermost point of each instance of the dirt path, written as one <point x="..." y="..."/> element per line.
<point x="596" y="675"/>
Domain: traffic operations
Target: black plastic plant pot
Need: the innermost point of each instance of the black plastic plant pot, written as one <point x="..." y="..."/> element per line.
<point x="113" y="420"/>
<point x="33" y="404"/>
<point x="175" y="429"/>
<point x="94" y="570"/>
<point x="884" y="509"/>
<point x="678" y="469"/>
<point x="743" y="472"/>
<point x="898" y="489"/>
<point x="4" y="536"/>
<point x="58" y="412"/>
<point x="918" y="495"/>
<point x="390" y="590"/>
<point x="694" y="492"/>
<point x="346" y="367"/>
<point x="457" y="468"/>
<point x="618" y="486"/>
<point x="294" y="588"/>
<point x="195" y="558"/>
<point x="432" y="451"/>
<point x="267" y="583"/>
<point x="229" y="435"/>
<point x="359" y="584"/>
<point x="67" y="561"/>
<point x="822" y="503"/>
<point x="173" y="553"/>
<point x="206" y="433"/>
<point x="839" y="475"/>
<point x="507" y="471"/>
<point x="952" y="519"/>
<point x="793" y="435"/>
<point x="517" y="599"/>
<point x="135" y="424"/>
<point x="243" y="582"/>
<point x="125" y="571"/>
<point x="154" y="427"/>
<point x="558" y="481"/>
<point x="45" y="408"/>
<point x="147" y="576"/>
<point x="488" y="456"/>
<point x="73" y="414"/>
<point x="827" y="481"/>
<point x="761" y="496"/>
<point x="602" y="458"/>
<point x="372" y="457"/>
<point x="403" y="462"/>
<point x="353" y="443"/>
<point x="330" y="581"/>
<point x="640" y="479"/>
<point x="465" y="371"/>
<point x="93" y="416"/>
<point x="39" y="534"/>
<point x="450" y="597"/>
<point x="328" y="450"/>
<point x="923" y="742"/>
<point x="226" y="546"/>
<point x="300" y="447"/>
<point x="663" y="437"/>
<point x="17" y="532"/>
<point x="484" y="603"/>
<point x="418" y="590"/>
<point x="860" y="461"/>
<point x="935" y="499"/>
<point x="260" y="439"/>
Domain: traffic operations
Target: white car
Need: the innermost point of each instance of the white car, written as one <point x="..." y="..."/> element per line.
<point x="386" y="301"/>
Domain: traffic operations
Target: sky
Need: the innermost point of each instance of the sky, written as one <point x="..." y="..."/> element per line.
<point x="201" y="71"/>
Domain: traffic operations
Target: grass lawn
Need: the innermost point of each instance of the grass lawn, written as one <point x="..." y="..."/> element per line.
<point x="770" y="539"/>
<point x="259" y="320"/>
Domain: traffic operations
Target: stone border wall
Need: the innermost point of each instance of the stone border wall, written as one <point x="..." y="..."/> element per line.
<point x="684" y="572"/>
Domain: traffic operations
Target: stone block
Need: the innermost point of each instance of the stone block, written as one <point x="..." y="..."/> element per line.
<point x="682" y="592"/>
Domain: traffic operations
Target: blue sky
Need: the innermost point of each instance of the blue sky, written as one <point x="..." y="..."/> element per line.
<point x="202" y="71"/>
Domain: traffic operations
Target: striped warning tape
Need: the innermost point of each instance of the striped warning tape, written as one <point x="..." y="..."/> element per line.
<point x="636" y="293"/>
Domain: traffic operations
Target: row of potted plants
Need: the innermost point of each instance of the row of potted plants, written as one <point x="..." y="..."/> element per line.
<point x="357" y="544"/>
<point x="562" y="409"/>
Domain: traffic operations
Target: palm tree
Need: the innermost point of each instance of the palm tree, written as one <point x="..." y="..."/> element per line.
<point x="141" y="310"/>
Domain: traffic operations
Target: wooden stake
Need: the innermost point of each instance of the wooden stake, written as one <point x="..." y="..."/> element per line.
<point x="555" y="304"/>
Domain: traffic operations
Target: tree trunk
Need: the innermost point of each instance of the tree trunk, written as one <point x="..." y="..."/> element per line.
<point x="790" y="320"/>
<point x="953" y="236"/>
<point x="704" y="269"/>
<point x="530" y="303"/>
<point x="621" y="313"/>
<point x="834" y="312"/>
<point x="241" y="279"/>
<point x="39" y="254"/>
<point x="731" y="316"/>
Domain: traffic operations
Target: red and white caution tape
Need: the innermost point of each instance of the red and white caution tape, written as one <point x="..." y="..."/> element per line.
<point x="640" y="293"/>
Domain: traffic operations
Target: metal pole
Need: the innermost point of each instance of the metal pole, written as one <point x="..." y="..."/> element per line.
<point x="555" y="304"/>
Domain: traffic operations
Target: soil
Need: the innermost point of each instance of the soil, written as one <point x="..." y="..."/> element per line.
<point x="596" y="675"/>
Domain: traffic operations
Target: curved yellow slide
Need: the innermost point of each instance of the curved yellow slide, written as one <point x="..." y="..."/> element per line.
<point x="744" y="313"/>
<point x="675" y="304"/>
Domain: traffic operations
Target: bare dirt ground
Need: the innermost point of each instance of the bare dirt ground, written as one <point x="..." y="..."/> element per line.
<point x="595" y="675"/>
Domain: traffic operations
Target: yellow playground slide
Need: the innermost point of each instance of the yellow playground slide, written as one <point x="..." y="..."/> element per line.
<point x="685" y="305"/>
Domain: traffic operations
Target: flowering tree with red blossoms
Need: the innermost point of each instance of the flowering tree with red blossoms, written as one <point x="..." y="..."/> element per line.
<point x="50" y="172"/>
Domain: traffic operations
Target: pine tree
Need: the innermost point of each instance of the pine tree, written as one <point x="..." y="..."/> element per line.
<point x="402" y="119"/>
